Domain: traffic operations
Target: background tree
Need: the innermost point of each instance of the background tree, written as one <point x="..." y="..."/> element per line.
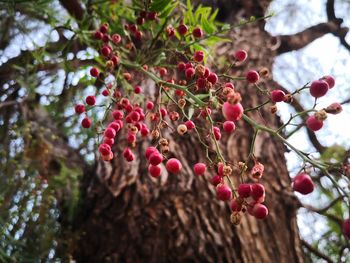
<point x="96" y="211"/>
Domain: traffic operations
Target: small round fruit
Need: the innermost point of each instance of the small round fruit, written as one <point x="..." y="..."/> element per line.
<point x="199" y="168"/>
<point x="216" y="179"/>
<point x="303" y="184"/>
<point x="149" y="151"/>
<point x="173" y="165"/>
<point x="90" y="100"/>
<point x="229" y="126"/>
<point x="223" y="192"/>
<point x="235" y="206"/>
<point x="330" y="80"/>
<point x="244" y="190"/>
<point x="190" y="125"/>
<point x="313" y="123"/>
<point x="155" y="158"/>
<point x="79" y="108"/>
<point x="104" y="149"/>
<point x="346" y="227"/>
<point x="260" y="211"/>
<point x="110" y="133"/>
<point x="197" y="32"/>
<point x="154" y="170"/>
<point x="212" y="78"/>
<point x="182" y="29"/>
<point x="258" y="191"/>
<point x="86" y="123"/>
<point x="137" y="89"/>
<point x="198" y="56"/>
<point x="277" y="95"/>
<point x="232" y="112"/>
<point x="252" y="76"/>
<point x="241" y="55"/>
<point x="319" y="88"/>
<point x="94" y="72"/>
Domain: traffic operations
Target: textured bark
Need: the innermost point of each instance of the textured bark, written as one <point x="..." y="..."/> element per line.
<point x="127" y="216"/>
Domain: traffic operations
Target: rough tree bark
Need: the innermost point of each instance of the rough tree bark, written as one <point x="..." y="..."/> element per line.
<point x="129" y="217"/>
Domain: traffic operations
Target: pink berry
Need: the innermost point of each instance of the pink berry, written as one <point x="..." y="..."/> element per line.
<point x="212" y="78"/>
<point x="104" y="28"/>
<point x="303" y="184"/>
<point x="221" y="169"/>
<point x="118" y="115"/>
<point x="197" y="32"/>
<point x="232" y="112"/>
<point x="260" y="211"/>
<point x="104" y="149"/>
<point x="173" y="165"/>
<point x="258" y="191"/>
<point x="154" y="170"/>
<point x="181" y="66"/>
<point x="163" y="112"/>
<point x="223" y="192"/>
<point x="137" y="89"/>
<point x="116" y="38"/>
<point x="149" y="105"/>
<point x="79" y="108"/>
<point x="109" y="133"/>
<point x="94" y="72"/>
<point x="115" y="126"/>
<point x="131" y="138"/>
<point x="149" y="151"/>
<point x="216" y="179"/>
<point x="182" y="29"/>
<point x="86" y="123"/>
<point x="241" y="55"/>
<point x="313" y="123"/>
<point x="277" y="95"/>
<point x="201" y="83"/>
<point x="235" y="206"/>
<point x="330" y="80"/>
<point x="108" y="141"/>
<point x="189" y="73"/>
<point x="105" y="51"/>
<point x="90" y="100"/>
<point x="244" y="190"/>
<point x="199" y="168"/>
<point x="105" y="92"/>
<point x="252" y="76"/>
<point x="346" y="227"/>
<point x="229" y="126"/>
<point x="217" y="133"/>
<point x="155" y="158"/>
<point x="319" y="88"/>
<point x="127" y="153"/>
<point x="190" y="125"/>
<point x="198" y="56"/>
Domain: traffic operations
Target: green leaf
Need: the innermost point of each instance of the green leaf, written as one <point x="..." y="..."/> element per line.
<point x="159" y="5"/>
<point x="190" y="112"/>
<point x="168" y="10"/>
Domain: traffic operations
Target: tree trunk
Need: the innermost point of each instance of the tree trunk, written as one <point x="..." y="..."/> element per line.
<point x="127" y="216"/>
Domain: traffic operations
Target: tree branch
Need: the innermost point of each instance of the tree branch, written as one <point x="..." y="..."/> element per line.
<point x="74" y="8"/>
<point x="305" y="37"/>
<point x="315" y="251"/>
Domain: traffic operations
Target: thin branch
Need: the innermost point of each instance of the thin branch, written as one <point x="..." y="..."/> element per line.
<point x="74" y="8"/>
<point x="316" y="252"/>
<point x="305" y="37"/>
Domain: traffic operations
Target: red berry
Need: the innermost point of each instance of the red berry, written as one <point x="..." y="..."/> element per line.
<point x="105" y="92"/>
<point x="188" y="65"/>
<point x="137" y="89"/>
<point x="105" y="51"/>
<point x="118" y="115"/>
<point x="244" y="190"/>
<point x="235" y="206"/>
<point x="313" y="123"/>
<point x="90" y="100"/>
<point x="98" y="35"/>
<point x="104" y="149"/>
<point x="170" y="31"/>
<point x="319" y="88"/>
<point x="152" y="15"/>
<point x="163" y="72"/>
<point x="303" y="184"/>
<point x="217" y="133"/>
<point x="110" y="133"/>
<point x="144" y="131"/>
<point x="181" y="66"/>
<point x="127" y="153"/>
<point x="277" y="95"/>
<point x="173" y="165"/>
<point x="164" y="112"/>
<point x="229" y="85"/>
<point x="330" y="80"/>
<point x="201" y="83"/>
<point x="182" y="29"/>
<point x="86" y="123"/>
<point x="189" y="73"/>
<point x="232" y="112"/>
<point x="221" y="169"/>
<point x="149" y="105"/>
<point x="94" y="72"/>
<point x="260" y="211"/>
<point x="258" y="191"/>
<point x="131" y="138"/>
<point x="116" y="38"/>
<point x="104" y="28"/>
<point x="252" y="76"/>
<point x="199" y="168"/>
<point x="138" y="35"/>
<point x="241" y="55"/>
<point x="197" y="32"/>
<point x="223" y="192"/>
<point x="229" y="126"/>
<point x="115" y="126"/>
<point x="155" y="158"/>
<point x="108" y="141"/>
<point x="198" y="56"/>
<point x="212" y="78"/>
<point x="149" y="151"/>
<point x="216" y="179"/>
<point x="346" y="227"/>
<point x="154" y="170"/>
<point x="79" y="108"/>
<point x="190" y="125"/>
